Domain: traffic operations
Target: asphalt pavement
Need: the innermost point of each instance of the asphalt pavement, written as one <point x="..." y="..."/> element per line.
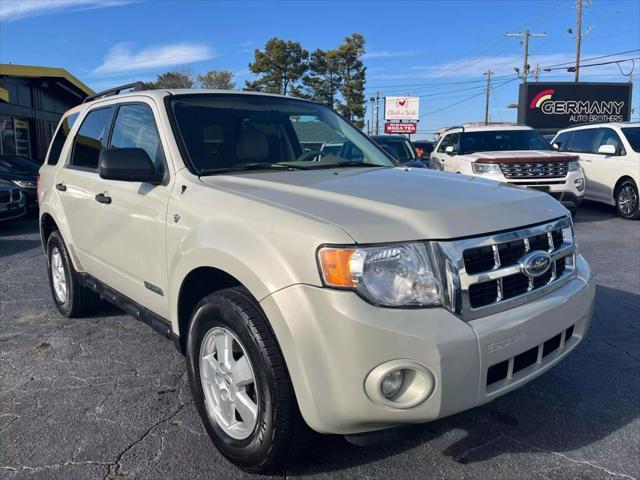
<point x="106" y="398"/>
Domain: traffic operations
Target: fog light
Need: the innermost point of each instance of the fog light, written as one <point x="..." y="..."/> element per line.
<point x="392" y="383"/>
<point x="579" y="184"/>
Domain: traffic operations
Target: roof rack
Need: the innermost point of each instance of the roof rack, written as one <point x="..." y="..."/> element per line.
<point x="454" y="127"/>
<point x="136" y="86"/>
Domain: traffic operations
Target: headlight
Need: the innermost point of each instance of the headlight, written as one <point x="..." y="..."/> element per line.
<point x="24" y="183"/>
<point x="484" y="168"/>
<point x="398" y="275"/>
<point x="574" y="166"/>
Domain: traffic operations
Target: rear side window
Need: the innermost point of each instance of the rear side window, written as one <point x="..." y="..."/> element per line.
<point x="561" y="140"/>
<point x="582" y="141"/>
<point x="135" y="127"/>
<point x="61" y="136"/>
<point x="92" y="138"/>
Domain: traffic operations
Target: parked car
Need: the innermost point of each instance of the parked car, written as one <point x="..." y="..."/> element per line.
<point x="424" y="148"/>
<point x="23" y="173"/>
<point x="13" y="203"/>
<point x="514" y="154"/>
<point x="400" y="148"/>
<point x="334" y="293"/>
<point x="610" y="157"/>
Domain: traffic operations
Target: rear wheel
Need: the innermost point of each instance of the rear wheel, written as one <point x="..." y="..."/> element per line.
<point x="627" y="202"/>
<point x="240" y="383"/>
<point x="71" y="298"/>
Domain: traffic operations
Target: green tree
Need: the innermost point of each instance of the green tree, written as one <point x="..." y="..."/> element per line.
<point x="353" y="74"/>
<point x="324" y="78"/>
<point x="173" y="79"/>
<point x="220" y="79"/>
<point x="281" y="66"/>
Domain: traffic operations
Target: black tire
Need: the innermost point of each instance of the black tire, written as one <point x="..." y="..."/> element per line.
<point x="79" y="300"/>
<point x="627" y="191"/>
<point x="280" y="434"/>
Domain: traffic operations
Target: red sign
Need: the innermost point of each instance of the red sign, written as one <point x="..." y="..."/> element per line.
<point x="400" y="128"/>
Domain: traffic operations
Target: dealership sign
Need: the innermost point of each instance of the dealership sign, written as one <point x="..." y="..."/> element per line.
<point x="401" y="108"/>
<point x="545" y="105"/>
<point x="400" y="128"/>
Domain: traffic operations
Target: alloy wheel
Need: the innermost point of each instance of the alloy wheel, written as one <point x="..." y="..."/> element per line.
<point x="627" y="200"/>
<point x="58" y="276"/>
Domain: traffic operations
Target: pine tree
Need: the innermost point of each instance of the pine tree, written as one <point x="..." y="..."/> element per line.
<point x="281" y="66"/>
<point x="353" y="73"/>
<point x="323" y="81"/>
<point x="219" y="79"/>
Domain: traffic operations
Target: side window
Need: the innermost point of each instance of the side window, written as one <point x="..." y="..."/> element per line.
<point x="561" y="140"/>
<point x="61" y="137"/>
<point x="455" y="142"/>
<point x="444" y="143"/>
<point x="582" y="141"/>
<point x="608" y="136"/>
<point x="91" y="138"/>
<point x="135" y="127"/>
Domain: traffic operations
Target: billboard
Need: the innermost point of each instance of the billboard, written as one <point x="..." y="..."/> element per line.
<point x="400" y="127"/>
<point x="401" y="108"/>
<point x="556" y="105"/>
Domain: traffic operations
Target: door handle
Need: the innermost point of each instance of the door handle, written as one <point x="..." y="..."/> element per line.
<point x="102" y="198"/>
<point x="61" y="187"/>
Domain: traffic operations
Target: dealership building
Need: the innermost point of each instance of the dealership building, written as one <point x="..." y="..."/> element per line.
<point x="32" y="100"/>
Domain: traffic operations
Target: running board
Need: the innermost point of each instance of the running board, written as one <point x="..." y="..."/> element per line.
<point x="137" y="311"/>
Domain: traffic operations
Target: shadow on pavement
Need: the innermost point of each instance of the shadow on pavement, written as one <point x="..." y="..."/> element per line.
<point x="594" y="212"/>
<point x="567" y="409"/>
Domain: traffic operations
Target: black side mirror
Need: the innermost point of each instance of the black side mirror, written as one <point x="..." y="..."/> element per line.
<point x="128" y="165"/>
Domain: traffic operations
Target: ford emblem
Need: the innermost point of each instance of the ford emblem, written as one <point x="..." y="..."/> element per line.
<point x="535" y="264"/>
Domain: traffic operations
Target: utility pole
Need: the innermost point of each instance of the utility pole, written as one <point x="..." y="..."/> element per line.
<point x="578" y="38"/>
<point x="536" y="72"/>
<point x="372" y="100"/>
<point x="486" y="102"/>
<point x="526" y="35"/>
<point x="377" y="113"/>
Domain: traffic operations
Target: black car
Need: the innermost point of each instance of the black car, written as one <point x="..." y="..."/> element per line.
<point x="23" y="173"/>
<point x="13" y="203"/>
<point x="400" y="148"/>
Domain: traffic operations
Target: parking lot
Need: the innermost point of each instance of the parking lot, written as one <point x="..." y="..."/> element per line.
<point x="106" y="397"/>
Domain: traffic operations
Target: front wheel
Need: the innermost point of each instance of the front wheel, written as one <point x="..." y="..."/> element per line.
<point x="627" y="202"/>
<point x="240" y="383"/>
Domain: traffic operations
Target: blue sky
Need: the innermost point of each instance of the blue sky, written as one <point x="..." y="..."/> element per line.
<point x="435" y="49"/>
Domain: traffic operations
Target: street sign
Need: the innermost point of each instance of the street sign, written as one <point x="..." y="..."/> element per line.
<point x="402" y="108"/>
<point x="400" y="127"/>
<point x="555" y="105"/>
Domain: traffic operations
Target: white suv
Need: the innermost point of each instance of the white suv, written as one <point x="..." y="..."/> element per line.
<point x="517" y="155"/>
<point x="610" y="157"/>
<point x="331" y="291"/>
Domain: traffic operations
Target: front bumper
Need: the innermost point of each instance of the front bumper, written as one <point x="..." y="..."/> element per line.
<point x="332" y="340"/>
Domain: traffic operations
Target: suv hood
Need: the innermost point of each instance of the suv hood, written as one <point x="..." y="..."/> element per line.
<point x="396" y="204"/>
<point x="512" y="156"/>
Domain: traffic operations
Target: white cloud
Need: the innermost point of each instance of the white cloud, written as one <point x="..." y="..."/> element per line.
<point x="391" y="54"/>
<point x="17" y="9"/>
<point x="121" y="59"/>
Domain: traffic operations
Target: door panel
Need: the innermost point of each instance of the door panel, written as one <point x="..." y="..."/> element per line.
<point x="130" y="231"/>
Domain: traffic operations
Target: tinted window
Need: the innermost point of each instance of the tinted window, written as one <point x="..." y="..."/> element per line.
<point x="607" y="136"/>
<point x="246" y="132"/>
<point x="502" y="140"/>
<point x="61" y="137"/>
<point x="92" y="138"/>
<point x="633" y="137"/>
<point x="582" y="141"/>
<point x="135" y="127"/>
<point x="561" y="140"/>
<point x="402" y="148"/>
<point x="444" y="144"/>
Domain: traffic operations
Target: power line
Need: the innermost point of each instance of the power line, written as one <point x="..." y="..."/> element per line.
<point x="572" y="69"/>
<point x="593" y="58"/>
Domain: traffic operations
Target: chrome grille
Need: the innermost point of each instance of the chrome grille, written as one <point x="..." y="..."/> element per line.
<point x="483" y="274"/>
<point x="535" y="170"/>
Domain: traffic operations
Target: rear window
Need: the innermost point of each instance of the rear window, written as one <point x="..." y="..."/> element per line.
<point x="92" y="138"/>
<point x="633" y="137"/>
<point x="61" y="137"/>
<point x="582" y="141"/>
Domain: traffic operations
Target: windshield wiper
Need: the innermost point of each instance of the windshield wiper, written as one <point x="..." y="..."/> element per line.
<point x="248" y="167"/>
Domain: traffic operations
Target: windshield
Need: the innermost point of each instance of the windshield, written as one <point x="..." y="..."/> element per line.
<point x="502" y="140"/>
<point x="18" y="164"/>
<point x="633" y="137"/>
<point x="222" y="133"/>
<point x="402" y="148"/>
